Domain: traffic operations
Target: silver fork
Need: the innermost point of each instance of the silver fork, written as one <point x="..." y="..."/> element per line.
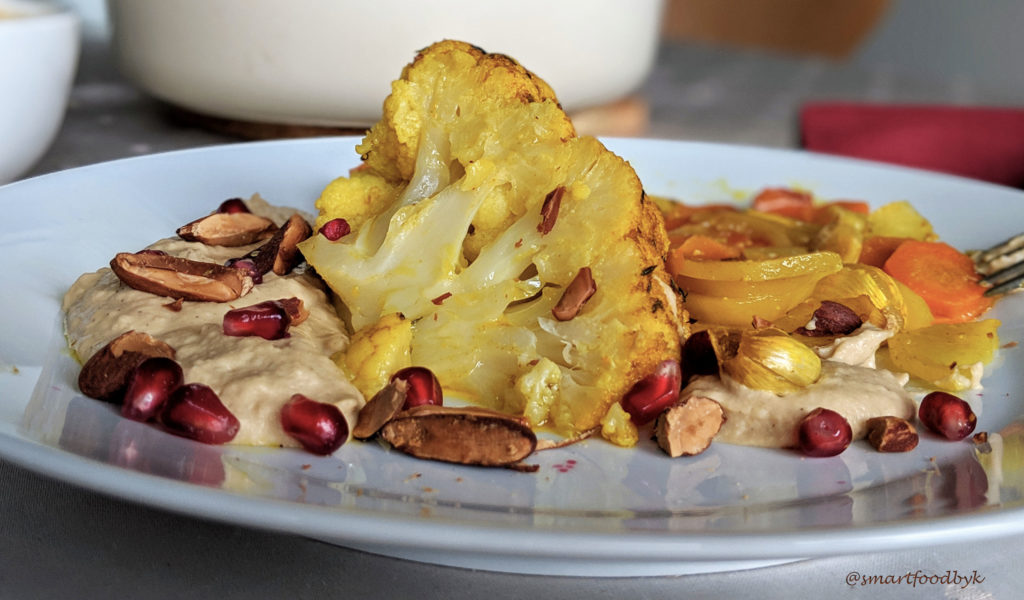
<point x="1002" y="265"/>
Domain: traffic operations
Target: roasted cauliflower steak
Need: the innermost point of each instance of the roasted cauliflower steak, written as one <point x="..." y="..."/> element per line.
<point x="473" y="210"/>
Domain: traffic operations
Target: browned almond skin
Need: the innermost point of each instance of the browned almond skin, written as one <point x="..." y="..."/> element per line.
<point x="281" y="252"/>
<point x="687" y="427"/>
<point x="176" y="277"/>
<point x="380" y="409"/>
<point x="228" y="229"/>
<point x="892" y="434"/>
<point x="575" y="296"/>
<point x="297" y="312"/>
<point x="549" y="210"/>
<point x="105" y="375"/>
<point x="832" y="318"/>
<point x="464" y="436"/>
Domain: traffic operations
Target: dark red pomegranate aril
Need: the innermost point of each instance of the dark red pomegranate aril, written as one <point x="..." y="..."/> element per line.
<point x="232" y="206"/>
<point x="149" y="387"/>
<point x="947" y="415"/>
<point x="421" y="386"/>
<point x="194" y="411"/>
<point x="823" y="432"/>
<point x="268" y="320"/>
<point x="650" y="396"/>
<point x="335" y="229"/>
<point x="248" y="265"/>
<point x="320" y="428"/>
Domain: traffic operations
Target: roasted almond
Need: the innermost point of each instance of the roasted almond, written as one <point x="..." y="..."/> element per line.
<point x="105" y="375"/>
<point x="281" y="252"/>
<point x="176" y="277"/>
<point x="378" y="411"/>
<point x="297" y="311"/>
<point x="575" y="295"/>
<point x="468" y="436"/>
<point x="831" y="318"/>
<point x="549" y="210"/>
<point x="892" y="434"/>
<point x="687" y="427"/>
<point x="228" y="229"/>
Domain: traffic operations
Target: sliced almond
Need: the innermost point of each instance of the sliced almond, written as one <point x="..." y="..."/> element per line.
<point x="379" y="410"/>
<point x="105" y="375"/>
<point x="687" y="428"/>
<point x="281" y="252"/>
<point x="549" y="210"/>
<point x="468" y="436"/>
<point x="175" y="277"/>
<point x="575" y="296"/>
<point x="228" y="229"/>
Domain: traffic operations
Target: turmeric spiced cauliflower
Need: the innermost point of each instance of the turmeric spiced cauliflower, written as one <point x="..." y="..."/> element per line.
<point x="475" y="209"/>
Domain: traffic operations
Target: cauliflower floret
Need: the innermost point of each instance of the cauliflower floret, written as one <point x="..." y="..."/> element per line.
<point x="360" y="196"/>
<point x="475" y="144"/>
<point x="617" y="428"/>
<point x="376" y="352"/>
<point x="538" y="390"/>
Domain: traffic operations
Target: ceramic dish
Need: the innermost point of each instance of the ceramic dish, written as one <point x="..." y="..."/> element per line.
<point x="309" y="62"/>
<point x="38" y="56"/>
<point x="591" y="509"/>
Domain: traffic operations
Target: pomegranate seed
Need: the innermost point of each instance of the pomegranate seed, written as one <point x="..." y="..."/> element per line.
<point x="421" y="386"/>
<point x="824" y="432"/>
<point x="268" y="320"/>
<point x="194" y="411"/>
<point x="149" y="386"/>
<point x="699" y="356"/>
<point x="650" y="396"/>
<point x="319" y="427"/>
<point x="248" y="265"/>
<point x="335" y="229"/>
<point x="947" y="415"/>
<point x="232" y="206"/>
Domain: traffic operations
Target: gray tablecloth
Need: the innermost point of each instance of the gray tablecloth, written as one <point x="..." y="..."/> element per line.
<point x="62" y="542"/>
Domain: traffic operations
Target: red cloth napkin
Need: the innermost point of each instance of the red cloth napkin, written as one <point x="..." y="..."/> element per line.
<point x="982" y="143"/>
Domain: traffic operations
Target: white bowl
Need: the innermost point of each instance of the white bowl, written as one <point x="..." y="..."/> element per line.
<point x="39" y="44"/>
<point x="320" y="62"/>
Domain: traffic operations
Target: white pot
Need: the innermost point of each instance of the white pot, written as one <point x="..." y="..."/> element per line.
<point x="330" y="62"/>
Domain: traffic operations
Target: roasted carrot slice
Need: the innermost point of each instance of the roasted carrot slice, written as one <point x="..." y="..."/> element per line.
<point x="943" y="276"/>
<point x="700" y="247"/>
<point x="857" y="206"/>
<point x="877" y="249"/>
<point x="786" y="202"/>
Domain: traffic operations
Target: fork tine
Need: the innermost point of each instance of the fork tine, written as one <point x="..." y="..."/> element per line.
<point x="1004" y="280"/>
<point x="1001" y="256"/>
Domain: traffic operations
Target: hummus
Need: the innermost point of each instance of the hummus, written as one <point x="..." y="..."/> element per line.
<point x="849" y="384"/>
<point x="252" y="376"/>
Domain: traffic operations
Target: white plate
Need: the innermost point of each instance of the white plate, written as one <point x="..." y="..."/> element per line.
<point x="592" y="509"/>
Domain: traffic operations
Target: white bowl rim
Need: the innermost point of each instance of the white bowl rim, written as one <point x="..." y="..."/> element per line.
<point x="23" y="11"/>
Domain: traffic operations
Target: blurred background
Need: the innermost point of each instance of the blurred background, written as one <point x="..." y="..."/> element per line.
<point x="782" y="73"/>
